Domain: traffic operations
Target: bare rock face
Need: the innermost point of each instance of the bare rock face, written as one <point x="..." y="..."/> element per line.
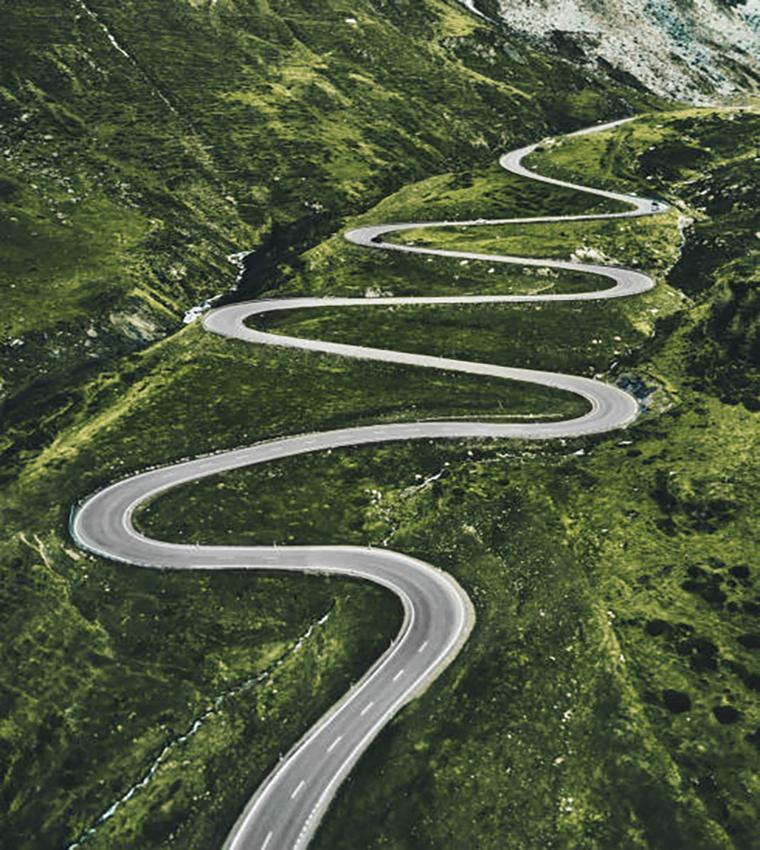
<point x="692" y="50"/>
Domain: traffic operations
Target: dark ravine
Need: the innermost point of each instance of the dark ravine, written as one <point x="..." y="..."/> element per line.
<point x="286" y="810"/>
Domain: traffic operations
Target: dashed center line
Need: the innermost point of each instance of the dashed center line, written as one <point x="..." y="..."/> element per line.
<point x="297" y="789"/>
<point x="422" y="648"/>
<point x="267" y="840"/>
<point x="398" y="675"/>
<point x="335" y="743"/>
<point x="366" y="708"/>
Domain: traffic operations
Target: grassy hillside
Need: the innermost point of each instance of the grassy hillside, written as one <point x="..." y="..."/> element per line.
<point x="143" y="143"/>
<point x="609" y="694"/>
<point x="606" y="697"/>
<point x="70" y="755"/>
<point x="608" y="691"/>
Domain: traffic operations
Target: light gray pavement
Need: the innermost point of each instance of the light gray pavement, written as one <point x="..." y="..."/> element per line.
<point x="285" y="811"/>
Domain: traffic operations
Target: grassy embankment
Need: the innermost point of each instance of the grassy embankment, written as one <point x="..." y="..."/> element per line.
<point x="124" y="185"/>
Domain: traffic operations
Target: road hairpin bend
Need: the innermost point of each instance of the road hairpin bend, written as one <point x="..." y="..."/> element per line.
<point x="285" y="811"/>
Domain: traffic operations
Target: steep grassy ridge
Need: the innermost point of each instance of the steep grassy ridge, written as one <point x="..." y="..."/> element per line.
<point x="714" y="159"/>
<point x="144" y="142"/>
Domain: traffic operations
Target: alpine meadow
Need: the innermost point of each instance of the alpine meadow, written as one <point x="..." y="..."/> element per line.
<point x="379" y="406"/>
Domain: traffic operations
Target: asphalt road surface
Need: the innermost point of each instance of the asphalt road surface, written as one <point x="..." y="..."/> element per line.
<point x="286" y="809"/>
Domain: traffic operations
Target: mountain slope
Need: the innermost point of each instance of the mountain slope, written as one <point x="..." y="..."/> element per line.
<point x="143" y="143"/>
<point x="694" y="50"/>
<point x="562" y="721"/>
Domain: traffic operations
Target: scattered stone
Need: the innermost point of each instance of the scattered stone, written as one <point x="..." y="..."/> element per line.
<point x="726" y="714"/>
<point x="676" y="701"/>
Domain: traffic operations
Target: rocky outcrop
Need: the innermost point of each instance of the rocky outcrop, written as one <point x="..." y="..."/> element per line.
<point x="691" y="50"/>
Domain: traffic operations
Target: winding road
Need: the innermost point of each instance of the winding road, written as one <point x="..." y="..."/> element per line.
<point x="285" y="811"/>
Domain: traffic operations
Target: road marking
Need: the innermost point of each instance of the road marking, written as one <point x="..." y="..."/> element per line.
<point x="366" y="708"/>
<point x="267" y="840"/>
<point x="398" y="675"/>
<point x="422" y="648"/>
<point x="334" y="743"/>
<point x="297" y="789"/>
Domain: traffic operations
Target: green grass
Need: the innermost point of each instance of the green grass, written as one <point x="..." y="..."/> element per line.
<point x="258" y="393"/>
<point x="606" y="573"/>
<point x="610" y="585"/>
<point x="131" y="660"/>
<point x="718" y="263"/>
<point x="593" y="335"/>
<point x="633" y="243"/>
<point x="125" y="182"/>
